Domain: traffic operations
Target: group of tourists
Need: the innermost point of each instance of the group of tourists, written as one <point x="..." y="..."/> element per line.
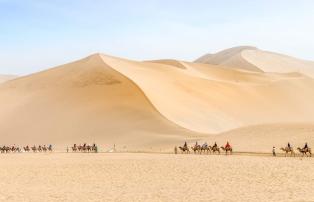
<point x="84" y="148"/>
<point x="17" y="149"/>
<point x="204" y="148"/>
<point x="306" y="150"/>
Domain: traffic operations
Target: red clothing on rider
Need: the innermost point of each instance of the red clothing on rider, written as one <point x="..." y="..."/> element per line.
<point x="228" y="145"/>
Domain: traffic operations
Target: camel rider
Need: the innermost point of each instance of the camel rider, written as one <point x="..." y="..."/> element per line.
<point x="228" y="145"/>
<point x="305" y="146"/>
<point x="205" y="144"/>
<point x="185" y="145"/>
<point x="215" y="145"/>
<point x="289" y="146"/>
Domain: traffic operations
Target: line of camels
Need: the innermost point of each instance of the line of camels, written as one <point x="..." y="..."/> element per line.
<point x="290" y="150"/>
<point x="206" y="149"/>
<point x="84" y="148"/>
<point x="16" y="149"/>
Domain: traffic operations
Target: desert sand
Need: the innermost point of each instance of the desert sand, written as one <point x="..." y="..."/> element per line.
<point x="154" y="177"/>
<point x="154" y="105"/>
<point x="4" y="78"/>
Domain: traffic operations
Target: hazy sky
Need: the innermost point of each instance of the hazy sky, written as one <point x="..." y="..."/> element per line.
<point x="38" y="34"/>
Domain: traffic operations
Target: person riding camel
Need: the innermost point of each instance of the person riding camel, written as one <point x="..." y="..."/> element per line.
<point x="215" y="145"/>
<point x="205" y="145"/>
<point x="289" y="146"/>
<point x="305" y="147"/>
<point x="196" y="144"/>
<point x="228" y="146"/>
<point x="185" y="145"/>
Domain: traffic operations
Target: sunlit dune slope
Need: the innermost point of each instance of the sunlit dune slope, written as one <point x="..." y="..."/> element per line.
<point x="212" y="99"/>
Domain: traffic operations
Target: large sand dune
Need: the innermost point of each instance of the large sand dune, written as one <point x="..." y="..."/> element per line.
<point x="153" y="105"/>
<point x="85" y="101"/>
<point x="4" y="78"/>
<point x="212" y="99"/>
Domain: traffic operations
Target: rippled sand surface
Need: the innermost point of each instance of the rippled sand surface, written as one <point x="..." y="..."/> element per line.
<point x="154" y="177"/>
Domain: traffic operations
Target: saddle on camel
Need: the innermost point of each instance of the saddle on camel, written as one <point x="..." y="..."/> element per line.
<point x="227" y="148"/>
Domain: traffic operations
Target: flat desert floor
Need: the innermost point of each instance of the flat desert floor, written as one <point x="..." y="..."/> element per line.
<point x="154" y="177"/>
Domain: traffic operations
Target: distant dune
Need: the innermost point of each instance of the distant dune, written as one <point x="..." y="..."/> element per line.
<point x="4" y="78"/>
<point x="154" y="105"/>
<point x="230" y="57"/>
<point x="251" y="58"/>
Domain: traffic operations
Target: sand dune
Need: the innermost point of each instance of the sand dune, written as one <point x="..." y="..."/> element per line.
<point x="230" y="57"/>
<point x="253" y="59"/>
<point x="85" y="101"/>
<point x="4" y="78"/>
<point x="212" y="99"/>
<point x="273" y="62"/>
<point x="153" y="105"/>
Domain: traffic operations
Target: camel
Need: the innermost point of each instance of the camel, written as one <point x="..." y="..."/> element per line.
<point x="205" y="148"/>
<point x="288" y="150"/>
<point x="184" y="149"/>
<point x="196" y="148"/>
<point x="50" y="148"/>
<point x="215" y="149"/>
<point x="89" y="148"/>
<point x="305" y="151"/>
<point x="26" y="149"/>
<point x="74" y="148"/>
<point x="5" y="149"/>
<point x="227" y="149"/>
<point x="34" y="148"/>
<point x="94" y="148"/>
<point x="44" y="148"/>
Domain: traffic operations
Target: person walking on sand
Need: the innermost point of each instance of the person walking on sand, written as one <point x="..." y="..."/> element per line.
<point x="175" y="150"/>
<point x="274" y="151"/>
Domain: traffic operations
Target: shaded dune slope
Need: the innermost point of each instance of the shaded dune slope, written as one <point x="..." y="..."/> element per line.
<point x="230" y="57"/>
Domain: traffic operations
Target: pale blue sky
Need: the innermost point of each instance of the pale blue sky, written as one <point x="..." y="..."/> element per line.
<point x="38" y="34"/>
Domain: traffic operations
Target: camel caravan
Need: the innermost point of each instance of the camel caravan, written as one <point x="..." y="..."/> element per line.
<point x="205" y="149"/>
<point x="16" y="149"/>
<point x="227" y="149"/>
<point x="84" y="148"/>
<point x="289" y="151"/>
